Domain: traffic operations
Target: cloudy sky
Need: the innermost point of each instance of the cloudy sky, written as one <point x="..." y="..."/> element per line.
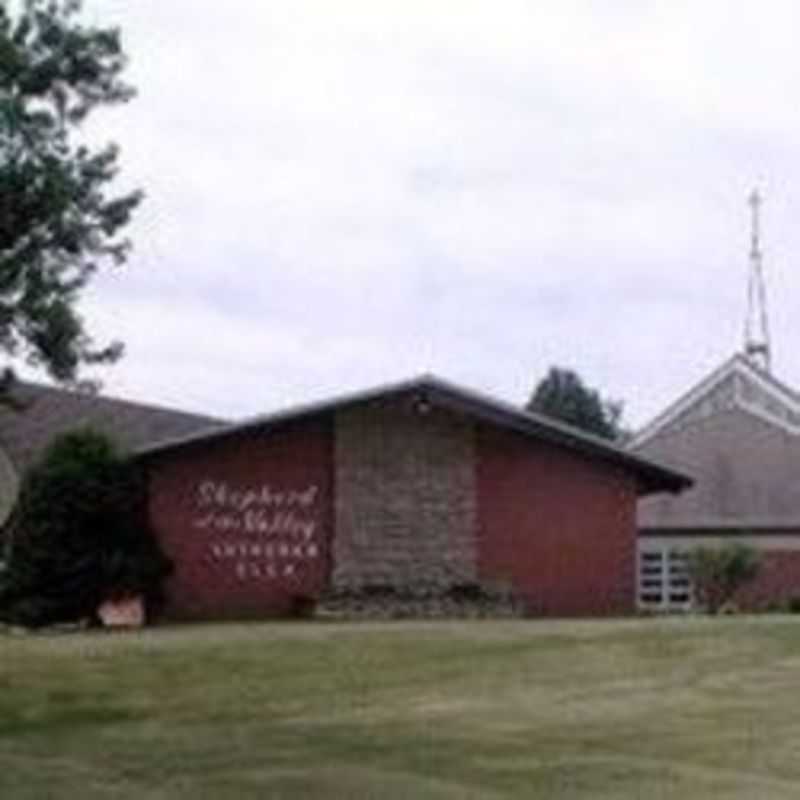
<point x="341" y="194"/>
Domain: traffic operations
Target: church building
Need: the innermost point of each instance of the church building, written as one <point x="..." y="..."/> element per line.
<point x="738" y="434"/>
<point x="421" y="486"/>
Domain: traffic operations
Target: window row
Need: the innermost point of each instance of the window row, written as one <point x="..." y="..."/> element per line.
<point x="663" y="579"/>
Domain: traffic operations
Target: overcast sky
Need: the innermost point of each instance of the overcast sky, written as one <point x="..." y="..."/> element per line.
<point x="345" y="193"/>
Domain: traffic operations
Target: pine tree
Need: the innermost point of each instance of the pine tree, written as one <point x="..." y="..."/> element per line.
<point x="562" y="395"/>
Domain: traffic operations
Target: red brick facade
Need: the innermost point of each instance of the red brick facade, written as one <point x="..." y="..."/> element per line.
<point x="777" y="583"/>
<point x="247" y="521"/>
<point x="556" y="527"/>
<point x="250" y="519"/>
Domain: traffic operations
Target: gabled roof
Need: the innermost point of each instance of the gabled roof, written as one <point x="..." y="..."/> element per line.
<point x="652" y="477"/>
<point x="746" y="472"/>
<point x="738" y="433"/>
<point x="736" y="384"/>
<point x="49" y="411"/>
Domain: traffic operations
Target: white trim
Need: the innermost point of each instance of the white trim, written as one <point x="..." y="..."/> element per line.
<point x="751" y="408"/>
<point x="685" y="401"/>
<point x="668" y="587"/>
<point x="773" y="387"/>
<point x="737" y="365"/>
<point x="764" y="542"/>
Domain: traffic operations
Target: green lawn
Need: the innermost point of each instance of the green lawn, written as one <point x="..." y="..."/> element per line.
<point x="678" y="708"/>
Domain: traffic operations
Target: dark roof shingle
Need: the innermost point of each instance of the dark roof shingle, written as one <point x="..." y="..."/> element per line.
<point x="651" y="476"/>
<point x="49" y="411"/>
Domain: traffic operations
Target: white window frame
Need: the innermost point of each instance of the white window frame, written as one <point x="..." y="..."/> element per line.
<point x="662" y="580"/>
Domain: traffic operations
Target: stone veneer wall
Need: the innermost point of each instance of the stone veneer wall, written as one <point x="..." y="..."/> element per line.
<point x="405" y="497"/>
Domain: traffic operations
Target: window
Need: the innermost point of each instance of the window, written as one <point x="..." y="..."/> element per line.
<point x="663" y="581"/>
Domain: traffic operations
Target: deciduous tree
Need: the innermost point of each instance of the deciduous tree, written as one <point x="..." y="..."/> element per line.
<point x="60" y="219"/>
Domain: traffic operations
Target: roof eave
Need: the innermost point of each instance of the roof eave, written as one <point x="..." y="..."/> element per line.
<point x="651" y="477"/>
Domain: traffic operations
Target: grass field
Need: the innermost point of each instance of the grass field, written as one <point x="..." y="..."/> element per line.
<point x="651" y="709"/>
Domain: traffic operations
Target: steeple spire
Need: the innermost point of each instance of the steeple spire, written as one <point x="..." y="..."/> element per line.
<point x="756" y="328"/>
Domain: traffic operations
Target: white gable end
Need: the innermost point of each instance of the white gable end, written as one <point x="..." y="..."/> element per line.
<point x="736" y="384"/>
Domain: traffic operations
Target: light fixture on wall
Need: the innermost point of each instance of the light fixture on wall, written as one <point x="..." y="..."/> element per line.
<point x="422" y="403"/>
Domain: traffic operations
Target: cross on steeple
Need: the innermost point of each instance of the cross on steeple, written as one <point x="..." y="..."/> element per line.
<point x="756" y="328"/>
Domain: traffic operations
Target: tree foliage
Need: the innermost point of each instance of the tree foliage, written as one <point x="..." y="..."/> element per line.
<point x="79" y="535"/>
<point x="59" y="220"/>
<point x="562" y="395"/>
<point x="718" y="573"/>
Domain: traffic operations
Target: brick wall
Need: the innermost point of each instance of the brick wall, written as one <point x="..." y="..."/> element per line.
<point x="386" y="494"/>
<point x="405" y="497"/>
<point x="246" y="520"/>
<point x="558" y="528"/>
<point x="778" y="578"/>
<point x="777" y="582"/>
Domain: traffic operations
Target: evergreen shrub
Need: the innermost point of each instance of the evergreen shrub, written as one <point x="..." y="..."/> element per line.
<point x="79" y="536"/>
